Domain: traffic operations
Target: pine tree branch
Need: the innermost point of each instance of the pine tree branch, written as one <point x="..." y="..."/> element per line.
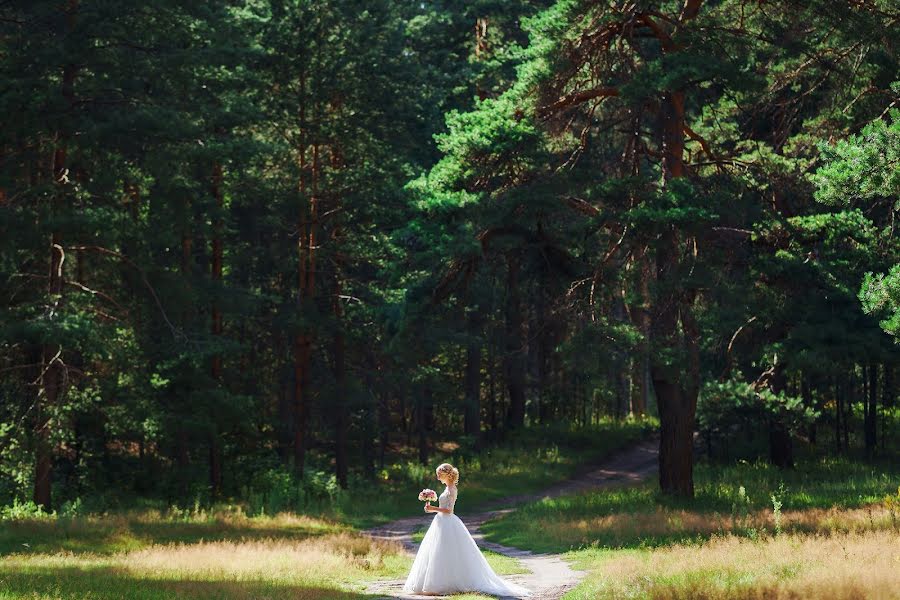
<point x="576" y="98"/>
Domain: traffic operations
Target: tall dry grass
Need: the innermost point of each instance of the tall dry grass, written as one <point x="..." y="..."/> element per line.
<point x="132" y="530"/>
<point x="667" y="523"/>
<point x="838" y="566"/>
<point x="325" y="566"/>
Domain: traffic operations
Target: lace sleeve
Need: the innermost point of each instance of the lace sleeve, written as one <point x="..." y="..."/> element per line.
<point x="452" y="499"/>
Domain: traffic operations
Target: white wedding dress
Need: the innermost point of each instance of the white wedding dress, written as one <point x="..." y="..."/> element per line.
<point x="449" y="561"/>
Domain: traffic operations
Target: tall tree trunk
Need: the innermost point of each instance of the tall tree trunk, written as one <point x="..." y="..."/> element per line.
<point x="887" y="399"/>
<point x="492" y="390"/>
<point x="619" y="363"/>
<point x="849" y="396"/>
<point x="781" y="448"/>
<point x="215" y="451"/>
<point x="284" y="410"/>
<point x="182" y="436"/>
<point x="51" y="383"/>
<point x="676" y="390"/>
<point x="53" y="371"/>
<point x="340" y="380"/>
<point x="806" y="394"/>
<point x="384" y="426"/>
<point x="425" y="400"/>
<point x="473" y="376"/>
<point x="871" y="411"/>
<point x="838" y="413"/>
<point x="514" y="357"/>
<point x="308" y="227"/>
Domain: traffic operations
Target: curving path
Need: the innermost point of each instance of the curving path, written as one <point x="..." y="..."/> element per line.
<point x="550" y="575"/>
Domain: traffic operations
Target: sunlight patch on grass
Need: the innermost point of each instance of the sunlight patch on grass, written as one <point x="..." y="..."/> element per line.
<point x="826" y="497"/>
<point x="127" y="531"/>
<point x="665" y="525"/>
<point x="321" y="567"/>
<point x="839" y="566"/>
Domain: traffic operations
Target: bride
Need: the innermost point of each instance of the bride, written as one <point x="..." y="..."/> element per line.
<point x="448" y="561"/>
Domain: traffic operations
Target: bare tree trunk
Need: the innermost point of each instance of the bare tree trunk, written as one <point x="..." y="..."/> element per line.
<point x="871" y="411"/>
<point x="492" y="390"/>
<point x="838" y="413"/>
<point x="307" y="244"/>
<point x="384" y="422"/>
<point x="53" y="371"/>
<point x="806" y="394"/>
<point x="887" y="399"/>
<point x="51" y="383"/>
<point x="340" y="379"/>
<point x="473" y="376"/>
<point x="215" y="451"/>
<point x="781" y="448"/>
<point x="514" y="357"/>
<point x="848" y="409"/>
<point x="425" y="399"/>
<point x="676" y="391"/>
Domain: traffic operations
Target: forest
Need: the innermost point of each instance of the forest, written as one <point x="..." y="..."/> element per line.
<point x="264" y="264"/>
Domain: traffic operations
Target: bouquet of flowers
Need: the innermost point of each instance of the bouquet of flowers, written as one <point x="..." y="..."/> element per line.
<point x="427" y="496"/>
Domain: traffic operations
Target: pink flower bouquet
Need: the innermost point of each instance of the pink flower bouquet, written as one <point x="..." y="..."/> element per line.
<point x="427" y="495"/>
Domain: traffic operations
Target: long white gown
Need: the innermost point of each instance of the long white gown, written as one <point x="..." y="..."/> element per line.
<point x="449" y="561"/>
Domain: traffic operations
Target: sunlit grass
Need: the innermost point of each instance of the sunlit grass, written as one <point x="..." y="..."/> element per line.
<point x="179" y="554"/>
<point x="826" y="497"/>
<point x="132" y="530"/>
<point x="325" y="566"/>
<point x="837" y="566"/>
<point x="224" y="552"/>
<point x="839" y="523"/>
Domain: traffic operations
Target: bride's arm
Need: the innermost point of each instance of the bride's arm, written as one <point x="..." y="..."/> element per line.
<point x="446" y="511"/>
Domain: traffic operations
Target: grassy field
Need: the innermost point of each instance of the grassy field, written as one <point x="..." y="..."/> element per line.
<point x="235" y="551"/>
<point x="528" y="462"/>
<point x="149" y="555"/>
<point x="832" y="531"/>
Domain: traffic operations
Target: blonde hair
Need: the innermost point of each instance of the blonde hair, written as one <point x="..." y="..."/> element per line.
<point x="450" y="471"/>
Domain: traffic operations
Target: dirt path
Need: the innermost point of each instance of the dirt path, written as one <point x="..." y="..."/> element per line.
<point x="550" y="576"/>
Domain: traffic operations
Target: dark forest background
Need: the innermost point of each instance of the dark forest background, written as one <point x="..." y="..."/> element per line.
<point x="264" y="242"/>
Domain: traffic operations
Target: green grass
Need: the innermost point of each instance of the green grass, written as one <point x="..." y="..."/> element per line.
<point x="226" y="551"/>
<point x="839" y="519"/>
<point x="151" y="555"/>
<point x="504" y="565"/>
<point x="639" y="516"/>
<point x="133" y="530"/>
<point x="528" y="462"/>
<point x="280" y="564"/>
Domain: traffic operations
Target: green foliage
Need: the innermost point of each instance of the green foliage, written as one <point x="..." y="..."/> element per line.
<point x="864" y="170"/>
<point x="879" y="294"/>
<point x="725" y="406"/>
<point x="863" y="167"/>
